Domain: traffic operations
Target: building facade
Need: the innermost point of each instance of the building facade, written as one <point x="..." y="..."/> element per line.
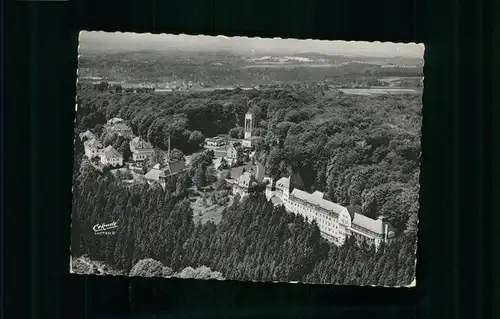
<point x="335" y="222"/>
<point x="123" y="129"/>
<point x="93" y="148"/>
<point x="215" y="142"/>
<point x="115" y="120"/>
<point x="243" y="184"/>
<point x="110" y="156"/>
<point x="87" y="135"/>
<point x="141" y="150"/>
<point x="232" y="152"/>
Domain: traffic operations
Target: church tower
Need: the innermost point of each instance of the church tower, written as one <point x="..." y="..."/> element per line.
<point x="248" y="125"/>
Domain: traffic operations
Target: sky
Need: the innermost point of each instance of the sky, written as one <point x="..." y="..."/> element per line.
<point x="96" y="41"/>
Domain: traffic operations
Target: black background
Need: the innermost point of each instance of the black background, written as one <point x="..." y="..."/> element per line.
<point x="454" y="271"/>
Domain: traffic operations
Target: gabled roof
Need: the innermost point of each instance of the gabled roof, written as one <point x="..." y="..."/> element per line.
<point x="170" y="169"/>
<point x="175" y="167"/>
<point x="121" y="126"/>
<point x="140" y="144"/>
<point x="154" y="174"/>
<point x="374" y="225"/>
<point x="317" y="199"/>
<point x="115" y="120"/>
<point x="283" y="182"/>
<point x="87" y="134"/>
<point x="110" y="152"/>
<point x="95" y="143"/>
<point x="353" y="210"/>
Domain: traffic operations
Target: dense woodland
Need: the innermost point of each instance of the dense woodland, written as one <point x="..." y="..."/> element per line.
<point x="358" y="150"/>
<point x="254" y="241"/>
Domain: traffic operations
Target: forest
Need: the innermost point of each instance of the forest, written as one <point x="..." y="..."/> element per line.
<point x="358" y="150"/>
<point x="254" y="241"/>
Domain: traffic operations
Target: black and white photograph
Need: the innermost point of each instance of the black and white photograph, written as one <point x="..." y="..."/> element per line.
<point x="247" y="159"/>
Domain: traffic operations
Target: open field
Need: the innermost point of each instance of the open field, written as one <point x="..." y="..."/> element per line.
<point x="203" y="213"/>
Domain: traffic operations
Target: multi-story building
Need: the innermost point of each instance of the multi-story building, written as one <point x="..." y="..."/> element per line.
<point x="87" y="135"/>
<point x="335" y="221"/>
<point x="110" y="156"/>
<point x="215" y="142"/>
<point x="122" y="129"/>
<point x="93" y="148"/>
<point x="160" y="174"/>
<point x="232" y="153"/>
<point x="244" y="184"/>
<point x="141" y="150"/>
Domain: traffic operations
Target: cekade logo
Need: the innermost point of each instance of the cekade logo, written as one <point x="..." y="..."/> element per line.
<point x="105" y="229"/>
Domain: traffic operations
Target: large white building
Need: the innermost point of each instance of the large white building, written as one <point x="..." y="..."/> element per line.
<point x="335" y="222"/>
<point x="93" y="148"/>
<point x="141" y="150"/>
<point x="110" y="156"/>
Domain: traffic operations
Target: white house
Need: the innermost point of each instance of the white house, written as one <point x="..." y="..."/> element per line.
<point x="244" y="184"/>
<point x="123" y="129"/>
<point x="93" y="148"/>
<point x="87" y="135"/>
<point x="112" y="157"/>
<point x="141" y="150"/>
<point x="115" y="120"/>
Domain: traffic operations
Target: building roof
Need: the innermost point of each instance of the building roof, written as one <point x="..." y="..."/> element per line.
<point x="87" y="134"/>
<point x="175" y="167"/>
<point x="317" y="199"/>
<point x="154" y="174"/>
<point x="353" y="210"/>
<point x="283" y="182"/>
<point x="246" y="180"/>
<point x="140" y="144"/>
<point x="374" y="225"/>
<point x="110" y="152"/>
<point x="95" y="143"/>
<point x="170" y="169"/>
<point x="121" y="126"/>
<point x="115" y="120"/>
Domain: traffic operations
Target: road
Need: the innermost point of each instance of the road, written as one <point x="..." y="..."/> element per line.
<point x="260" y="171"/>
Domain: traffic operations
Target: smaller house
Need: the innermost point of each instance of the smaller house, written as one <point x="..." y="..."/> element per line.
<point x="110" y="156"/>
<point x="159" y="174"/>
<point x="244" y="184"/>
<point x="115" y="120"/>
<point x="232" y="152"/>
<point x="216" y="141"/>
<point x="123" y="129"/>
<point x="141" y="150"/>
<point x="87" y="135"/>
<point x="93" y="148"/>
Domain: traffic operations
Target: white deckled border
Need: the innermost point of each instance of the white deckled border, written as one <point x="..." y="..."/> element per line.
<point x="413" y="284"/>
